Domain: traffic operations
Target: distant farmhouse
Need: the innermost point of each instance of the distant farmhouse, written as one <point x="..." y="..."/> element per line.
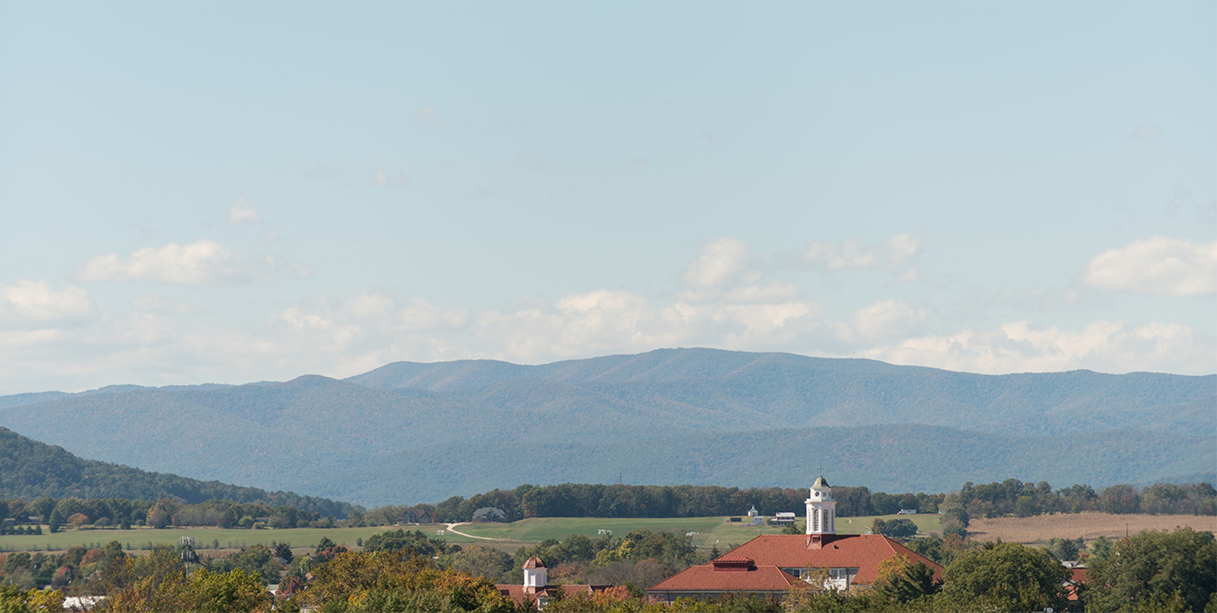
<point x="772" y="564"/>
<point x="486" y="514"/>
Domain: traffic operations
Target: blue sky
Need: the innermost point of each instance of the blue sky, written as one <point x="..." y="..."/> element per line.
<point x="233" y="192"/>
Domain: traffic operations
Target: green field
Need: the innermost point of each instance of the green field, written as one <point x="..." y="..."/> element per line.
<point x="138" y="538"/>
<point x="709" y="532"/>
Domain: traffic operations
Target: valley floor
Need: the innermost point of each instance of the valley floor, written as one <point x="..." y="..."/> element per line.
<point x="708" y="532"/>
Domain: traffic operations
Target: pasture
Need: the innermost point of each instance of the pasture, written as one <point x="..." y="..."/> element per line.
<point x="1089" y="526"/>
<point x="709" y="531"/>
<point x="204" y="538"/>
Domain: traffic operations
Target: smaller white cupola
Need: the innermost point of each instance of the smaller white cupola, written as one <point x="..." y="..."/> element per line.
<point x="534" y="573"/>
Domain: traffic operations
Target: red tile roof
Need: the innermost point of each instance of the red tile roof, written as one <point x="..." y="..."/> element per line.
<point x="708" y="578"/>
<point x="1077" y="578"/>
<point x="523" y="595"/>
<point x="861" y="551"/>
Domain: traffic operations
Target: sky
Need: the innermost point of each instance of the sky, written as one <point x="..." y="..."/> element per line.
<point x="235" y="192"/>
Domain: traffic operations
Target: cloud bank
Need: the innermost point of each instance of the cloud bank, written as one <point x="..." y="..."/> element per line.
<point x="723" y="299"/>
<point x="202" y="262"/>
<point x="1157" y="265"/>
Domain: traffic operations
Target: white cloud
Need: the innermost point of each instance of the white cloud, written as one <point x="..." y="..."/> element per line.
<point x="606" y="321"/>
<point x="241" y="212"/>
<point x="34" y="302"/>
<point x="1158" y="265"/>
<point x="898" y="253"/>
<point x="58" y="338"/>
<point x="1023" y="347"/>
<point x="888" y="319"/>
<point x="727" y="270"/>
<point x="202" y="262"/>
<point x="721" y="262"/>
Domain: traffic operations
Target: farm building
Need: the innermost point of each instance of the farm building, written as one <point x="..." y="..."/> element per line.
<point x="486" y="514"/>
<point x="782" y="519"/>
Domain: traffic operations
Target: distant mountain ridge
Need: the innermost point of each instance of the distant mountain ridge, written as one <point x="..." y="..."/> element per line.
<point x="311" y="431"/>
<point x="885" y="458"/>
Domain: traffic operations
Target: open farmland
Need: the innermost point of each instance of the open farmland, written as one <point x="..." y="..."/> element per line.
<point x="709" y="530"/>
<point x="1089" y="526"/>
<point x="206" y="538"/>
<point x="508" y="537"/>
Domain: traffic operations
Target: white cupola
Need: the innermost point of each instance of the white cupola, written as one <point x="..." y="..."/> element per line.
<point x="534" y="573"/>
<point x="821" y="509"/>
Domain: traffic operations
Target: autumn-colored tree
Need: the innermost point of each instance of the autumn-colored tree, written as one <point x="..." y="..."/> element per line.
<point x="93" y="555"/>
<point x="161" y="515"/>
<point x="900" y="581"/>
<point x="161" y="585"/>
<point x="397" y="581"/>
<point x="15" y="600"/>
<point x="78" y="519"/>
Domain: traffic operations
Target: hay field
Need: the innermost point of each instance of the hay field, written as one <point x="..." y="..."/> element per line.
<point x="1089" y="526"/>
<point x="206" y="538"/>
<point x="710" y="531"/>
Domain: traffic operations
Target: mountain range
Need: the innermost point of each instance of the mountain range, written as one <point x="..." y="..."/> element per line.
<point x="413" y="432"/>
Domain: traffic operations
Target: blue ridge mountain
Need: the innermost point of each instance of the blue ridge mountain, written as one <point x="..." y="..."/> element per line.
<point x="405" y="431"/>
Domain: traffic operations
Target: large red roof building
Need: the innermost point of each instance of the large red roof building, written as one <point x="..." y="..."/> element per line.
<point x="772" y="564"/>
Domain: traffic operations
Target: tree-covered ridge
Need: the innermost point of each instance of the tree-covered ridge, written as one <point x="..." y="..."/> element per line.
<point x="32" y="470"/>
<point x="885" y="457"/>
<point x="997" y="499"/>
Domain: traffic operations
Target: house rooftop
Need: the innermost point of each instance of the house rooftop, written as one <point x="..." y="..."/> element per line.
<point x="861" y="551"/>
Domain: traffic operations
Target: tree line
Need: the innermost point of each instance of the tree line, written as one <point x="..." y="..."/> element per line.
<point x="653" y="501"/>
<point x="1014" y="497"/>
<point x="1009" y="497"/>
<point x="122" y="513"/>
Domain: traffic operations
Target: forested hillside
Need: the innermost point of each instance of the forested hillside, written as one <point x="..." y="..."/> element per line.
<point x="411" y="432"/>
<point x="888" y="458"/>
<point x="29" y="470"/>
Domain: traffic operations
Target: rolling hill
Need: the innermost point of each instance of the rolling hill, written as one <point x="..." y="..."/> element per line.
<point x="417" y="432"/>
<point x="29" y="469"/>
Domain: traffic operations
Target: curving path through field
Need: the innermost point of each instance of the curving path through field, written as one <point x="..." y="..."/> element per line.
<point x="452" y="529"/>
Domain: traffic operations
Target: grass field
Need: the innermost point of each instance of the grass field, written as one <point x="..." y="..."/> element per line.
<point x="710" y="530"/>
<point x="138" y="538"/>
<point x="509" y="537"/>
<point x="1089" y="526"/>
